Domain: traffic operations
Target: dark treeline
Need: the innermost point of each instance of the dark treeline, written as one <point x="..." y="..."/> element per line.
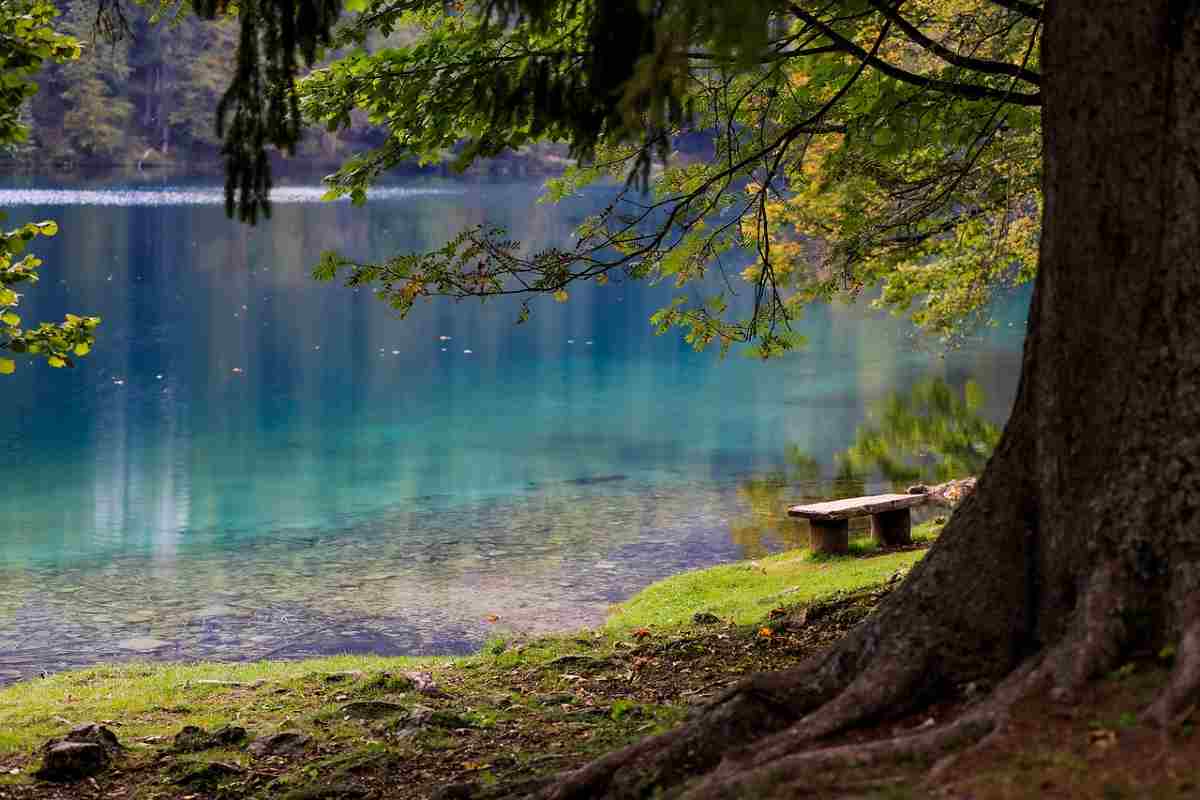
<point x="149" y="99"/>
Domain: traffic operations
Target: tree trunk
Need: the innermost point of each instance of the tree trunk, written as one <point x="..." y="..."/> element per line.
<point x="1082" y="540"/>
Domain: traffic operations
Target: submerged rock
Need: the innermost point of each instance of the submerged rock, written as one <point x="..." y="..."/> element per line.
<point x="142" y="644"/>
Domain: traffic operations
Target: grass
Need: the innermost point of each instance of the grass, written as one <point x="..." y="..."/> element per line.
<point x="744" y="592"/>
<point x="512" y="693"/>
<point x="149" y="698"/>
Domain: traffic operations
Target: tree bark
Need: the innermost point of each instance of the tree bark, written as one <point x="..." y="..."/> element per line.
<point x="1082" y="539"/>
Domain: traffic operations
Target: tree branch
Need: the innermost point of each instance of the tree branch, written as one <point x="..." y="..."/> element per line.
<point x="951" y="57"/>
<point x="968" y="90"/>
<point x="1031" y="10"/>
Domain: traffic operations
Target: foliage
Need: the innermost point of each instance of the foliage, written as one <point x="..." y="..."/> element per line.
<point x="933" y="433"/>
<point x="58" y="342"/>
<point x="849" y="146"/>
<point x="27" y="40"/>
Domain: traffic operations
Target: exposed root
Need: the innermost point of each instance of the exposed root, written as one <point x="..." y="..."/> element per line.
<point x="671" y="758"/>
<point x="775" y="778"/>
<point x="879" y="690"/>
<point x="1179" y="697"/>
<point x="1094" y="642"/>
<point x="778" y="777"/>
<point x="1182" y="693"/>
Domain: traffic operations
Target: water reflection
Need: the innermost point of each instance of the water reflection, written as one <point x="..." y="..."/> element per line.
<point x="252" y="464"/>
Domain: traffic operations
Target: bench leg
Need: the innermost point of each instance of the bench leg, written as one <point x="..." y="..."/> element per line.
<point x="892" y="528"/>
<point x="830" y="537"/>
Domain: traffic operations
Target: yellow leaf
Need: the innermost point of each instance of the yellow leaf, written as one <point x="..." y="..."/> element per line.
<point x="601" y="279"/>
<point x="7" y="366"/>
<point x="561" y="295"/>
<point x="82" y="349"/>
<point x="56" y="362"/>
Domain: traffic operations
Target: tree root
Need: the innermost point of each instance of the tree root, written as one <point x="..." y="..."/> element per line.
<point x="1180" y="696"/>
<point x="775" y="778"/>
<point x="771" y="778"/>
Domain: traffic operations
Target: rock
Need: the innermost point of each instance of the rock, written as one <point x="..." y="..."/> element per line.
<point x="192" y="739"/>
<point x="339" y="677"/>
<point x="332" y="791"/>
<point x="424" y="716"/>
<point x="142" y="644"/>
<point x="284" y="743"/>
<point x="920" y="488"/>
<point x="96" y="734"/>
<point x="208" y="775"/>
<point x="424" y="684"/>
<point x="705" y="618"/>
<point x="951" y="493"/>
<point x="372" y="709"/>
<point x="387" y="682"/>
<point x="71" y="761"/>
<point x="456" y="791"/>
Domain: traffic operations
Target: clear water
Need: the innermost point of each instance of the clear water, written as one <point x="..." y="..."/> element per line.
<point x="251" y="464"/>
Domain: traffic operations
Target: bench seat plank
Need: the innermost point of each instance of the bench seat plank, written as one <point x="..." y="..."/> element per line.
<point x="856" y="506"/>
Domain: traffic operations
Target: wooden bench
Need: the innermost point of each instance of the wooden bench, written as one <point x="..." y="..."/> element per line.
<point x="891" y="520"/>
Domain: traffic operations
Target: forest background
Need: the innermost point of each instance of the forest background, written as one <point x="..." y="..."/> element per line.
<point x="145" y="99"/>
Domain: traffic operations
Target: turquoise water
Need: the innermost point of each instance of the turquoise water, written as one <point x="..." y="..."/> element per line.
<point x="252" y="464"/>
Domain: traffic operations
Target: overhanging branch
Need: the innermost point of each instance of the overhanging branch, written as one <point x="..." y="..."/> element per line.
<point x="1031" y="10"/>
<point x="951" y="57"/>
<point x="968" y="90"/>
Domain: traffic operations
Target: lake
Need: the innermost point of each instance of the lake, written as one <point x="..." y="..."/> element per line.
<point x="251" y="464"/>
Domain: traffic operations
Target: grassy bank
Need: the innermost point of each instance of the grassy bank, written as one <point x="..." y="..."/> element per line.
<point x="517" y="708"/>
<point x="523" y="709"/>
